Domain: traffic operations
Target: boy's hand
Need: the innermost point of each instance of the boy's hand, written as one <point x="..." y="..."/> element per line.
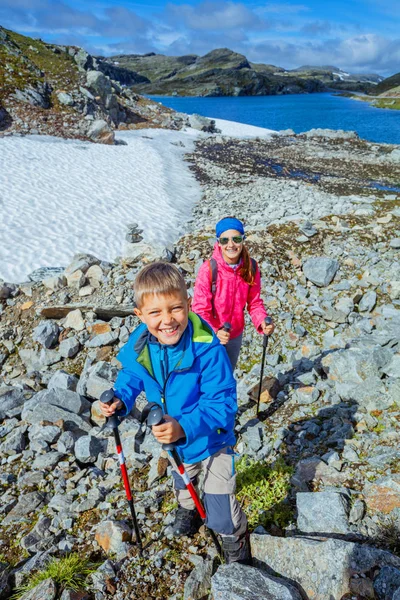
<point x="223" y="336"/>
<point x="108" y="409"/>
<point x="267" y="329"/>
<point x="168" y="432"/>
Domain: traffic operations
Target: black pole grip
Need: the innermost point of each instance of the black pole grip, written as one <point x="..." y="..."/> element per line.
<point x="227" y="327"/>
<point x="107" y="398"/>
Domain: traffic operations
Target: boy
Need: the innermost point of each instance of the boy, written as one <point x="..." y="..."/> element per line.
<point x="177" y="360"/>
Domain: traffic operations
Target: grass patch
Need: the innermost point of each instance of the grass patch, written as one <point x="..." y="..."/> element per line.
<point x="262" y="490"/>
<point x="69" y="572"/>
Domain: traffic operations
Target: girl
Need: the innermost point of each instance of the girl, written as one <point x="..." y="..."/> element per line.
<point x="225" y="284"/>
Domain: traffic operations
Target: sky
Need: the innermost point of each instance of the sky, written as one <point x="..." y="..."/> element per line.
<point x="360" y="36"/>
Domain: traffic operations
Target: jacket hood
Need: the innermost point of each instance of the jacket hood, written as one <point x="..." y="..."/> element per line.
<point x="202" y="338"/>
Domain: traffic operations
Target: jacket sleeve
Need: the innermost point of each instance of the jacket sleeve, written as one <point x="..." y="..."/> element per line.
<point x="255" y="305"/>
<point x="217" y="403"/>
<point x="202" y="297"/>
<point x="127" y="388"/>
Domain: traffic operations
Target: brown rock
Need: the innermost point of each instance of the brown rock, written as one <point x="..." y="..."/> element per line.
<point x="383" y="495"/>
<point x="98" y="328"/>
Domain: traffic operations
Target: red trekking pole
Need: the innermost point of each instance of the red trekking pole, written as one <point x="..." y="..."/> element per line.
<point x="156" y="417"/>
<point x="113" y="422"/>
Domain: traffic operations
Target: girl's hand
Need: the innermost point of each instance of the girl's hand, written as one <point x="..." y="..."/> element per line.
<point x="108" y="409"/>
<point x="168" y="432"/>
<point x="223" y="336"/>
<point x="267" y="329"/>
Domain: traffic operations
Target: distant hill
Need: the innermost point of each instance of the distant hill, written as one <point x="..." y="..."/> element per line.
<point x="223" y="72"/>
<point x="388" y="84"/>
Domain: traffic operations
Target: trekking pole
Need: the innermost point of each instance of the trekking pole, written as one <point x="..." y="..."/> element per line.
<point x="227" y="327"/>
<point x="156" y="417"/>
<point x="268" y="321"/>
<point x="113" y="422"/>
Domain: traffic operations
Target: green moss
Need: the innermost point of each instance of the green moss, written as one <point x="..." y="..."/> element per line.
<point x="262" y="489"/>
<point x="69" y="572"/>
<point x="32" y="61"/>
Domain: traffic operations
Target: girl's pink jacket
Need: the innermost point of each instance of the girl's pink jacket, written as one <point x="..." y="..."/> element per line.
<point x="232" y="296"/>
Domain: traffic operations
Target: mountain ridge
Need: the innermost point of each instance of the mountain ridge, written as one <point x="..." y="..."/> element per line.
<point x="223" y="72"/>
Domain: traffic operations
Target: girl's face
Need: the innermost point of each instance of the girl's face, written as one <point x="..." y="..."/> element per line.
<point x="231" y="244"/>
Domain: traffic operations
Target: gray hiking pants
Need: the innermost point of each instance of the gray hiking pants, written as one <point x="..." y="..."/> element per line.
<point x="224" y="513"/>
<point x="233" y="349"/>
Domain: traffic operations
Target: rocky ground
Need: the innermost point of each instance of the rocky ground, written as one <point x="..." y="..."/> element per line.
<point x="320" y="482"/>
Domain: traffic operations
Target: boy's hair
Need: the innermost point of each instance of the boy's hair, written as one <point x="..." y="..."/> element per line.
<point x="158" y="278"/>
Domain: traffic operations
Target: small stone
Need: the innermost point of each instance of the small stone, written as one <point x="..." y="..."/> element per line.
<point x="74" y="320"/>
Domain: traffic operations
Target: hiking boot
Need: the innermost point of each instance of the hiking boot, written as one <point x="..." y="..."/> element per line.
<point x="237" y="549"/>
<point x="187" y="522"/>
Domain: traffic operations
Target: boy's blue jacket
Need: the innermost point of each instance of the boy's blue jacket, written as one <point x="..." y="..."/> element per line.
<point x="200" y="391"/>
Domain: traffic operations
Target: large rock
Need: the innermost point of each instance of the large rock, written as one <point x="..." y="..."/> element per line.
<point x="383" y="495"/>
<point x="38" y="95"/>
<point x="62" y="380"/>
<point x="113" y="536"/>
<point x="87" y="448"/>
<point x="198" y="584"/>
<point x="387" y="583"/>
<point x="100" y="131"/>
<point x="55" y="405"/>
<point x="46" y="590"/>
<point x="355" y="365"/>
<point x="10" y="399"/>
<point x="320" y="270"/>
<point x="46" y="333"/>
<point x="322" y="567"/>
<point x="238" y="582"/>
<point x="322" y="512"/>
<point x="27" y="503"/>
<point x="81" y="262"/>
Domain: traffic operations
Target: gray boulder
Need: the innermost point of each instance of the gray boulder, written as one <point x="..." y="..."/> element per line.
<point x="198" y="584"/>
<point x="55" y="405"/>
<point x="38" y="95"/>
<point x="4" y="576"/>
<point x="81" y="262"/>
<point x="100" y="131"/>
<point x="355" y="365"/>
<point x="62" y="380"/>
<point x="45" y="590"/>
<point x="69" y="347"/>
<point x="87" y="448"/>
<point x="83" y="59"/>
<point x="10" y="399"/>
<point x="387" y="583"/>
<point x="5" y="291"/>
<point x="202" y="123"/>
<point x="27" y="503"/>
<point x="239" y="582"/>
<point x="322" y="512"/>
<point x="46" y="333"/>
<point x="320" y="270"/>
<point x="14" y="443"/>
<point x="327" y="561"/>
<point x="367" y="302"/>
<point x="65" y="99"/>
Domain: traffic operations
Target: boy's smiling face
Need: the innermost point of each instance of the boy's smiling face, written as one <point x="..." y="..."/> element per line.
<point x="166" y="316"/>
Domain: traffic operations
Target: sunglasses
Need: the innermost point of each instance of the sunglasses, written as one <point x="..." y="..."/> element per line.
<point x="236" y="239"/>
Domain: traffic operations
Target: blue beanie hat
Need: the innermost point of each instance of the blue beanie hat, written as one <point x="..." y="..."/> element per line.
<point x="229" y="223"/>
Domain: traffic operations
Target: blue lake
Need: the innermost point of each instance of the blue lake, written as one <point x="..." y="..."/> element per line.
<point x="299" y="112"/>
